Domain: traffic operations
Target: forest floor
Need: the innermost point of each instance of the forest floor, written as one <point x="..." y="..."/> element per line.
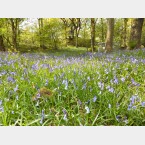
<point x="72" y="88"/>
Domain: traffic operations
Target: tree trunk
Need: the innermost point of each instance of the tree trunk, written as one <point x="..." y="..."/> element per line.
<point x="65" y="29"/>
<point x="2" y="47"/>
<point x="93" y="34"/>
<point x="135" y="34"/>
<point x="40" y="22"/>
<point x="14" y="33"/>
<point x="102" y="29"/>
<point x="125" y="32"/>
<point x="76" y="38"/>
<point x="110" y="33"/>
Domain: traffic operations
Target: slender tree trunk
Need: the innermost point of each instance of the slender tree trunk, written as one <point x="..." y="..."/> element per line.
<point x="110" y="33"/>
<point x="65" y="30"/>
<point x="65" y="36"/>
<point x="76" y="38"/>
<point x="40" y="22"/>
<point x="93" y="34"/>
<point x="102" y="29"/>
<point x="2" y="47"/>
<point x="136" y="31"/>
<point x="125" y="33"/>
<point x="14" y="33"/>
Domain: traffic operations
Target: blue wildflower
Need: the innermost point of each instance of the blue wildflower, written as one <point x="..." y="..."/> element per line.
<point x="12" y="112"/>
<point x="17" y="97"/>
<point x="101" y="85"/>
<point x="134" y="83"/>
<point x="1" y="109"/>
<point x="11" y="79"/>
<point x="42" y="117"/>
<point x="115" y="80"/>
<point x="95" y="98"/>
<point x="129" y="107"/>
<point x="109" y="106"/>
<point x="134" y="107"/>
<point x="65" y="114"/>
<point x="46" y="83"/>
<point x="87" y="109"/>
<point x="143" y="104"/>
<point x="111" y="90"/>
<point x="16" y="88"/>
<point x="84" y="86"/>
<point x="123" y="79"/>
<point x="79" y="102"/>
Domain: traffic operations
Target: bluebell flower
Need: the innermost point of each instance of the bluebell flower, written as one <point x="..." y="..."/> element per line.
<point x="17" y="97"/>
<point x="118" y="118"/>
<point x="55" y="77"/>
<point x="134" y="83"/>
<point x="35" y="66"/>
<point x="134" y="99"/>
<point x="64" y="111"/>
<point x="10" y="79"/>
<point x="1" y="109"/>
<point x="46" y="83"/>
<point x="143" y="104"/>
<point x="79" y="102"/>
<point x="115" y="80"/>
<point x="87" y="109"/>
<point x="16" y="88"/>
<point x="111" y="90"/>
<point x="65" y="82"/>
<point x="134" y="107"/>
<point x="87" y="102"/>
<point x="109" y="106"/>
<point x="42" y="117"/>
<point x="84" y="86"/>
<point x="101" y="85"/>
<point x="65" y="114"/>
<point x="129" y="107"/>
<point x="95" y="98"/>
<point x="123" y="79"/>
<point x="88" y="78"/>
<point x="37" y="104"/>
<point x="65" y="117"/>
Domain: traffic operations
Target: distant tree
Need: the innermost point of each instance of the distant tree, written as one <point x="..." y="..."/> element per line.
<point x="93" y="23"/>
<point x="135" y="34"/>
<point x="102" y="29"/>
<point x="110" y="33"/>
<point x="76" y="22"/>
<point x="15" y="22"/>
<point x="66" y="26"/>
<point x="2" y="47"/>
<point x="41" y="29"/>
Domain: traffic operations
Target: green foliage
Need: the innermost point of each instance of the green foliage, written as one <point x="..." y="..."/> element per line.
<point x="132" y="44"/>
<point x="87" y="75"/>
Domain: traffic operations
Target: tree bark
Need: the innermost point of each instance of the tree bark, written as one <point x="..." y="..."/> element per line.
<point x="102" y="29"/>
<point x="93" y="34"/>
<point x="136" y="31"/>
<point x="110" y="33"/>
<point x="14" y="32"/>
<point x="76" y="22"/>
<point x="2" y="47"/>
<point x="125" y="33"/>
<point x="41" y="26"/>
<point x="65" y="22"/>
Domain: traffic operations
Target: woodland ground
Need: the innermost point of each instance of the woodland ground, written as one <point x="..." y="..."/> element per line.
<point x="72" y="87"/>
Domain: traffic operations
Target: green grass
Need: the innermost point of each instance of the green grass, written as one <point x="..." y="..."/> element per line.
<point x="73" y="76"/>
